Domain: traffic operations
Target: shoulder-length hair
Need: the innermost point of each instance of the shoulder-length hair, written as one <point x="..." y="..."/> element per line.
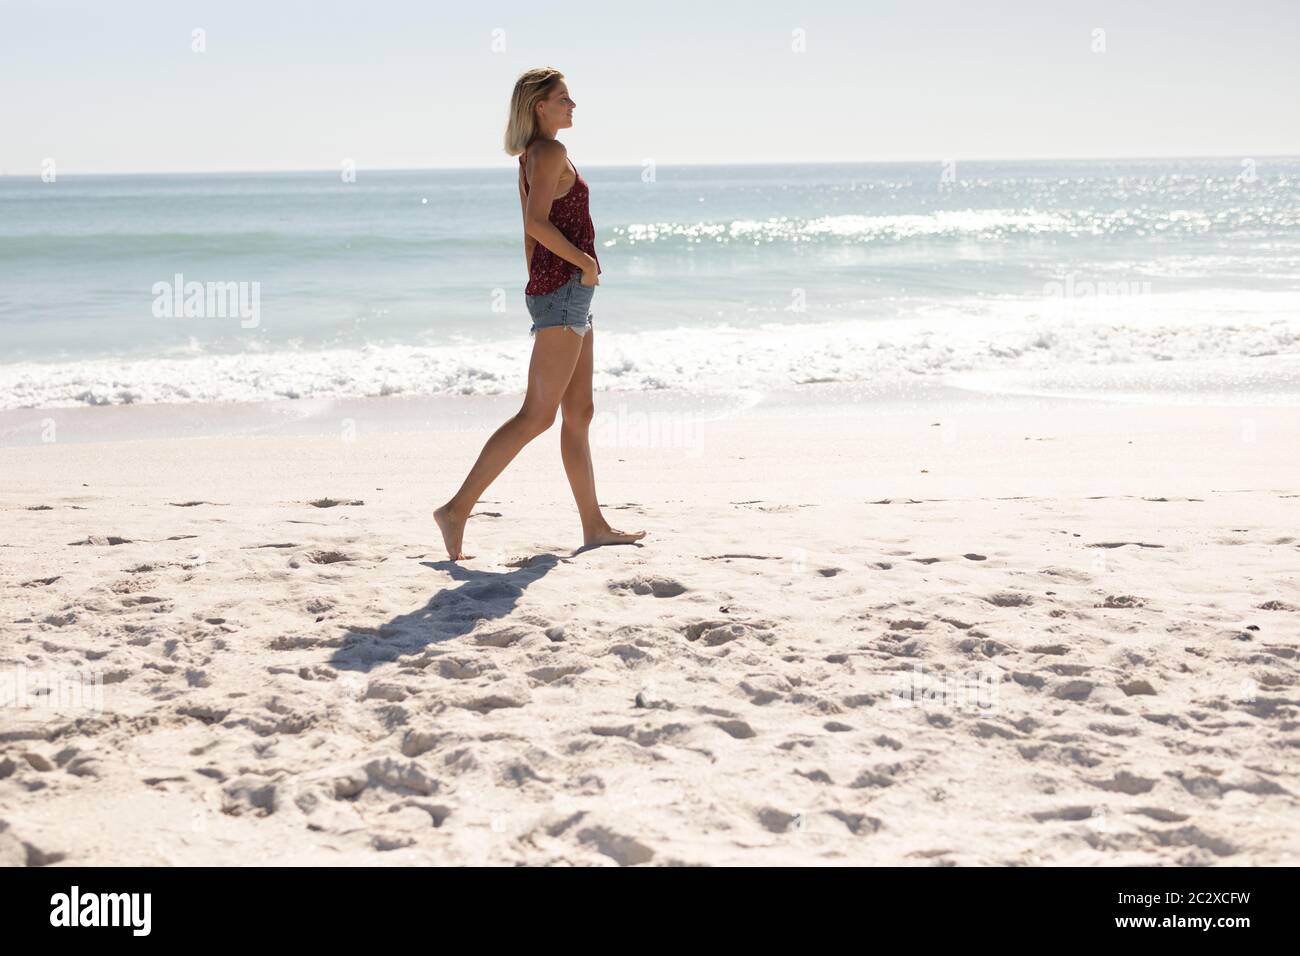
<point x="531" y="88"/>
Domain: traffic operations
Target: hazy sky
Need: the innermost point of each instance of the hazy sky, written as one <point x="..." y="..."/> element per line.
<point x="104" y="86"/>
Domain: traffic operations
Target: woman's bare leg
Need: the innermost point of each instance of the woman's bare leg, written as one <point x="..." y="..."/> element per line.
<point x="577" y="407"/>
<point x="555" y="352"/>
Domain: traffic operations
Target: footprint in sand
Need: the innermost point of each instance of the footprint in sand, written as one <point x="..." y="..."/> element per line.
<point x="1137" y="688"/>
<point x="1064" y="813"/>
<point x="1276" y="606"/>
<point x="738" y="729"/>
<point x="908" y="625"/>
<point x="1120" y="544"/>
<point x="660" y="587"/>
<point x="1161" y="814"/>
<point x="1068" y="574"/>
<point x="778" y="821"/>
<point x="1125" y="782"/>
<point x="858" y="823"/>
<point x="15" y="851"/>
<point x="713" y="633"/>
<point x="1190" y="836"/>
<point x="1121" y="601"/>
<point x="327" y="557"/>
<point x="623" y="850"/>
<point x="816" y="776"/>
<point x="1009" y="599"/>
<point x="1078" y="690"/>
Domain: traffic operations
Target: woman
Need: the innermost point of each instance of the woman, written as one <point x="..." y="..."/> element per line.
<point x="560" y="247"/>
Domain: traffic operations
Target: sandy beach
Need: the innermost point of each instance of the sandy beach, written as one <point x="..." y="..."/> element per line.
<point x="927" y="631"/>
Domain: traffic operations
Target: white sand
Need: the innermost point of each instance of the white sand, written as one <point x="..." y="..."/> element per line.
<point x="284" y="683"/>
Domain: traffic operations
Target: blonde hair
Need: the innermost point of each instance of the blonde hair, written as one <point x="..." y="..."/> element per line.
<point x="531" y="88"/>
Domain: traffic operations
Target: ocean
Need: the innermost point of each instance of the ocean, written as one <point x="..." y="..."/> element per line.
<point x="1172" y="280"/>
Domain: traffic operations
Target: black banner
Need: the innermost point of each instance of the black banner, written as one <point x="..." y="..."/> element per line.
<point x="1220" y="906"/>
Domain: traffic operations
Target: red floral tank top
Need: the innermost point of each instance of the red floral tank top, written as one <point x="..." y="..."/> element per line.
<point x="570" y="214"/>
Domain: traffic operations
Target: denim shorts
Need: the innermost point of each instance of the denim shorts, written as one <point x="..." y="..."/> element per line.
<point x="568" y="306"/>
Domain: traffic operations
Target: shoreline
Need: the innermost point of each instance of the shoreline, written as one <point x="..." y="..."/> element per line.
<point x="422" y="414"/>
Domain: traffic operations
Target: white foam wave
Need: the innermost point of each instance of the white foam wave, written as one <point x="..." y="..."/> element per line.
<point x="940" y="342"/>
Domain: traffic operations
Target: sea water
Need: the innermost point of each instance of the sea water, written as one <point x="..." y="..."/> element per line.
<point x="1163" y="278"/>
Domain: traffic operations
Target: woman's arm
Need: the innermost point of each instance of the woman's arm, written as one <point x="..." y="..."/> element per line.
<point x="530" y="244"/>
<point x="548" y="160"/>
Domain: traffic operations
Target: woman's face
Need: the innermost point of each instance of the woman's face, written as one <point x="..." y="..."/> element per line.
<point x="556" y="111"/>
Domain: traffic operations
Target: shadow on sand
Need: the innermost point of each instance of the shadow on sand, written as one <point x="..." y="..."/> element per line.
<point x="451" y="613"/>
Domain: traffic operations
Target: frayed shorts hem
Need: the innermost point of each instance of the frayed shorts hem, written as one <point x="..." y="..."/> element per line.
<point x="578" y="330"/>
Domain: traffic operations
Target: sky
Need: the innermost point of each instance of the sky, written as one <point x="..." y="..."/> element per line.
<point x="109" y="87"/>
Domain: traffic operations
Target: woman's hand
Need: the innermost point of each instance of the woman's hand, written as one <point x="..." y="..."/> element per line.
<point x="589" y="273"/>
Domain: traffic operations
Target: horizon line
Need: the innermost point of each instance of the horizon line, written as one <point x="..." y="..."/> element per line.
<point x="7" y="174"/>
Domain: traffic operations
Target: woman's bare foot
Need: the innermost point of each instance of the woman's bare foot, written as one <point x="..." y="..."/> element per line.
<point x="608" y="535"/>
<point x="452" y="526"/>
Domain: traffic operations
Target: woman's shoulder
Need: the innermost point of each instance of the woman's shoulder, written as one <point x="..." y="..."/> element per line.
<point x="544" y="148"/>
